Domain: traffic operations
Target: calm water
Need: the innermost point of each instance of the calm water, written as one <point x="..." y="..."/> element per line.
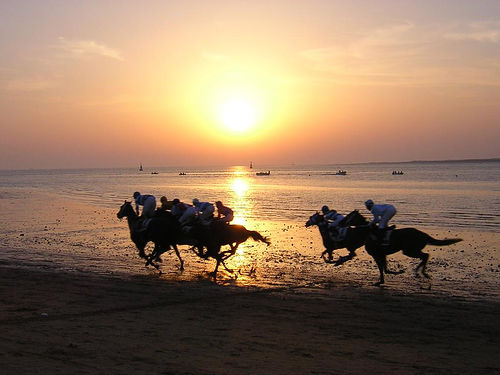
<point x="442" y="194"/>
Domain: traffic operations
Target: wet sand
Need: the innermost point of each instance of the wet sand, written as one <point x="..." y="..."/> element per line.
<point x="59" y="323"/>
<point x="75" y="298"/>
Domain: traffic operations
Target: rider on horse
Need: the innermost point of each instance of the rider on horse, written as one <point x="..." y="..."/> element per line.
<point x="148" y="203"/>
<point x="204" y="211"/>
<point x="224" y="213"/>
<point x="382" y="213"/>
<point x="333" y="218"/>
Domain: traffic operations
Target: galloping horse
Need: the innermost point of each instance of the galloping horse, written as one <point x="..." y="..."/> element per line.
<point x="354" y="237"/>
<point x="163" y="231"/>
<point x="410" y="241"/>
<point x="220" y="234"/>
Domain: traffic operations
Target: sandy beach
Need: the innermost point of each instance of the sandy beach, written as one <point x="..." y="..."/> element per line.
<point x="61" y="323"/>
<point x="77" y="299"/>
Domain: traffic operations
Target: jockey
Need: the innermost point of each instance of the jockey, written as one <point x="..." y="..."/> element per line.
<point x="382" y="213"/>
<point x="333" y="218"/>
<point x="148" y="202"/>
<point x="183" y="212"/>
<point x="165" y="207"/>
<point x="204" y="210"/>
<point x="224" y="214"/>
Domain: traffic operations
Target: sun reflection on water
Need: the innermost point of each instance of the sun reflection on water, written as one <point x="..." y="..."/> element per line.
<point x="239" y="184"/>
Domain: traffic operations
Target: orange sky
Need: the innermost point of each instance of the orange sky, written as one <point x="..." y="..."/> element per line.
<point x="95" y="85"/>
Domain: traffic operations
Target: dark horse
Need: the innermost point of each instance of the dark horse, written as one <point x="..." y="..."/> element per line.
<point x="354" y="236"/>
<point x="219" y="234"/>
<point x="232" y="235"/>
<point x="410" y="241"/>
<point x="163" y="231"/>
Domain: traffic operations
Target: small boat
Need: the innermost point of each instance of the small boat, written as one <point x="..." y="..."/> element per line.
<point x="263" y="173"/>
<point x="397" y="172"/>
<point x="251" y="165"/>
<point x="182" y="173"/>
<point x="140" y="168"/>
<point x="154" y="172"/>
<point x="340" y="172"/>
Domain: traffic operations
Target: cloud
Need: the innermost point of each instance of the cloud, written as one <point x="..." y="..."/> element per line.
<point x="375" y="55"/>
<point x="29" y="85"/>
<point x="491" y="36"/>
<point x="81" y="48"/>
<point x="483" y="32"/>
<point x="410" y="55"/>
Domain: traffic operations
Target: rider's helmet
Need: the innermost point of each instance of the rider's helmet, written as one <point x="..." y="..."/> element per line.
<point x="196" y="201"/>
<point x="136" y="194"/>
<point x="176" y="201"/>
<point x="325" y="209"/>
<point x="369" y="204"/>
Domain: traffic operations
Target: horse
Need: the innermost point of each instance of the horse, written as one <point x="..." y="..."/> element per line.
<point x="410" y="241"/>
<point x="162" y="230"/>
<point x="354" y="236"/>
<point x="232" y="235"/>
<point x="219" y="234"/>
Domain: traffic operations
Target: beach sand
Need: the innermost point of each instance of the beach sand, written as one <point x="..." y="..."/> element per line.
<point x="75" y="298"/>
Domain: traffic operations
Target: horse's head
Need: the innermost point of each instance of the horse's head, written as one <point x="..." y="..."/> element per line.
<point x="354" y="218"/>
<point x="315" y="219"/>
<point x="126" y="210"/>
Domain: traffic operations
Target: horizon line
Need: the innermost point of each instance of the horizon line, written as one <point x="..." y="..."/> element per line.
<point x="267" y="165"/>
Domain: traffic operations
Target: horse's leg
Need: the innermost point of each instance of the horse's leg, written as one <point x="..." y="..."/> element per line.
<point x="386" y="270"/>
<point x="178" y="256"/>
<point x="234" y="247"/>
<point x="140" y="247"/>
<point x="328" y="251"/>
<point x="423" y="264"/>
<point x="382" y="265"/>
<point x="343" y="259"/>
<point x="417" y="253"/>
<point x="216" y="268"/>
<point x="227" y="269"/>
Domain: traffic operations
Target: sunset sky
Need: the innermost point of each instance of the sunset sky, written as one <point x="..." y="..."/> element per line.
<point x="171" y="83"/>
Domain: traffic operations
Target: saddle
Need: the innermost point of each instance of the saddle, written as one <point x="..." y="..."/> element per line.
<point x="383" y="236"/>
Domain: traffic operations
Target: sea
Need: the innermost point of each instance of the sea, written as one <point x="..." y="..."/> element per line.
<point x="65" y="220"/>
<point x="445" y="194"/>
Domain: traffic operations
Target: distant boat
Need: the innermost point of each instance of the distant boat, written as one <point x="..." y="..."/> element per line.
<point x="154" y="172"/>
<point x="251" y="165"/>
<point x="140" y="168"/>
<point x="182" y="173"/>
<point x="397" y="172"/>
<point x="340" y="172"/>
<point x="263" y="173"/>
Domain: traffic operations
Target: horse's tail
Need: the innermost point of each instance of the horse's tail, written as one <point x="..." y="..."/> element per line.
<point x="445" y="242"/>
<point x="258" y="237"/>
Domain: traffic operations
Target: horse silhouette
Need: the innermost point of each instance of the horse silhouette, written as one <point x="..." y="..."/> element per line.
<point x="219" y="234"/>
<point x="163" y="231"/>
<point x="410" y="241"/>
<point x="354" y="236"/>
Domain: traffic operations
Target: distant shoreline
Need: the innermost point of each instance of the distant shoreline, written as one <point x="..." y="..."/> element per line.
<point x="487" y="160"/>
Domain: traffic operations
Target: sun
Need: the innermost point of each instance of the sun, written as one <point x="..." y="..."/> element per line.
<point x="237" y="114"/>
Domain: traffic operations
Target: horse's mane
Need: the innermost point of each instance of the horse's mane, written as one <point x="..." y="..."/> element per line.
<point x="346" y="221"/>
